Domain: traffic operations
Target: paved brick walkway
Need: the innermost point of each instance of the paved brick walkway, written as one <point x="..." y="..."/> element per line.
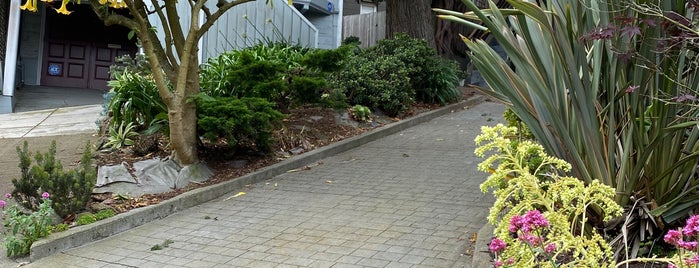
<point x="407" y="200"/>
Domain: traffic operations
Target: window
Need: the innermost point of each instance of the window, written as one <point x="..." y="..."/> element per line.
<point x="367" y="8"/>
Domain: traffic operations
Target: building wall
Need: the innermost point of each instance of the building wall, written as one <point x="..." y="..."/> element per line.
<point x="327" y="26"/>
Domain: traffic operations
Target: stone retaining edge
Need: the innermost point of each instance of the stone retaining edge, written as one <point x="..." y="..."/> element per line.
<point x="81" y="235"/>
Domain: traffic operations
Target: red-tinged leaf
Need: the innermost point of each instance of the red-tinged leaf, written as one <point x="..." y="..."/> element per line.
<point x="630" y="31"/>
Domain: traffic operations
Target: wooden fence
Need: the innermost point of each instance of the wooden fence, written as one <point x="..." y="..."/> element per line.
<point x="369" y="27"/>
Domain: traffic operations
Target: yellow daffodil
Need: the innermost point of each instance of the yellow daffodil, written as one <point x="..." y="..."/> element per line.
<point x="102" y="2"/>
<point x="63" y="9"/>
<point x="291" y="2"/>
<point x="30" y="5"/>
<point x="47" y="1"/>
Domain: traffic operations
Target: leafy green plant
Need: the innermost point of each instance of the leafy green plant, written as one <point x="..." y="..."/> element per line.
<point x="105" y="213"/>
<point x="556" y="208"/>
<point x="246" y="121"/>
<point x="22" y="230"/>
<point x="382" y="83"/>
<point x="361" y="113"/>
<point x="608" y="86"/>
<point x="58" y="228"/>
<point x="134" y="98"/>
<point x="71" y="189"/>
<point x="278" y="72"/>
<point x="434" y="79"/>
<point x="85" y="219"/>
<point x="121" y="136"/>
<point x="441" y="82"/>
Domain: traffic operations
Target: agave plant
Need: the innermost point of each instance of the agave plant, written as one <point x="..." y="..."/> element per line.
<point x="608" y="86"/>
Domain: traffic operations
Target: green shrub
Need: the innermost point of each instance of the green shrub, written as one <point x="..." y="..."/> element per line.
<point x="238" y="121"/>
<point x="71" y="189"/>
<point x="327" y="60"/>
<point x="380" y="82"/>
<point x="283" y="74"/>
<point x="441" y="82"/>
<point x="134" y="98"/>
<point x="434" y="79"/>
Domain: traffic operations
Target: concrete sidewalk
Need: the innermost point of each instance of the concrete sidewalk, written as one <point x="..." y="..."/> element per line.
<point x="409" y="199"/>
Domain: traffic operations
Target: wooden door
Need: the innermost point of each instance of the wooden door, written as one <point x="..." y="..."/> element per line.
<point x="78" y="49"/>
<point x="66" y="64"/>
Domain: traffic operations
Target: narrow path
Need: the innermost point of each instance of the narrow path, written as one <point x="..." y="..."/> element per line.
<point x="411" y="199"/>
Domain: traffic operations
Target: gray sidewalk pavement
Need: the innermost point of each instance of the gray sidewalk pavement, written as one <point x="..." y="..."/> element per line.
<point x="410" y="199"/>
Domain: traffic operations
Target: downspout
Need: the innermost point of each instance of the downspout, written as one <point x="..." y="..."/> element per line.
<point x="340" y="8"/>
<point x="8" y="83"/>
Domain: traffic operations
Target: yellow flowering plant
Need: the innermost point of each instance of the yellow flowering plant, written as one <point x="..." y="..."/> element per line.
<point x="30" y="5"/>
<point x="527" y="181"/>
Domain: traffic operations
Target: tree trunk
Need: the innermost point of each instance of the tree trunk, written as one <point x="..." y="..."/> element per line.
<point x="413" y="17"/>
<point x="183" y="117"/>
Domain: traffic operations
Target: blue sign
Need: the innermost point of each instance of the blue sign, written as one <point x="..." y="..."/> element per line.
<point x="54" y="69"/>
<point x="330" y="6"/>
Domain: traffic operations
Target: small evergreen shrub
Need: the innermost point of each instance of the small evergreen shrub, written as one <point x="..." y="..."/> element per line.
<point x="380" y="82"/>
<point x="280" y="73"/>
<point x="239" y="121"/>
<point x="71" y="189"/>
<point x="434" y="79"/>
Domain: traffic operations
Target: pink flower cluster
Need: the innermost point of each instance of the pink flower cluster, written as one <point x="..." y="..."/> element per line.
<point x="676" y="238"/>
<point x="3" y="203"/>
<point x="691" y="229"/>
<point x="532" y="220"/>
<point x="526" y="229"/>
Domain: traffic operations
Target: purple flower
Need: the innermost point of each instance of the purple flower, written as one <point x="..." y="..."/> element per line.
<point x="515" y="223"/>
<point x="550" y="248"/>
<point x="535" y="219"/>
<point x="688" y="245"/>
<point x="691" y="228"/>
<point x="497" y="245"/>
<point x="693" y="260"/>
<point x="45" y="195"/>
<point x="8" y="196"/>
<point x="531" y="239"/>
<point x="498" y="263"/>
<point x="2" y="204"/>
<point x="670" y="265"/>
<point x="673" y="237"/>
<point x="510" y="261"/>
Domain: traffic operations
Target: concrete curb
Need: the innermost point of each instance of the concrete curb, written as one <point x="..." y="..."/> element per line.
<point x="81" y="235"/>
<point x="481" y="251"/>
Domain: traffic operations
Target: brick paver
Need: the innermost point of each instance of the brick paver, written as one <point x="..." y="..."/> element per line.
<point x="411" y="199"/>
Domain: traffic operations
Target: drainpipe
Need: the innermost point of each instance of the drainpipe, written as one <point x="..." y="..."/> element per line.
<point x="8" y="83"/>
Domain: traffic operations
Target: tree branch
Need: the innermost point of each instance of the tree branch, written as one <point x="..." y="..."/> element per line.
<point x="223" y="6"/>
<point x="158" y="9"/>
<point x="173" y="20"/>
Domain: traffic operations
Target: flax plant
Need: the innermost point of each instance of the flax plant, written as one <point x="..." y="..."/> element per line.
<point x="609" y="86"/>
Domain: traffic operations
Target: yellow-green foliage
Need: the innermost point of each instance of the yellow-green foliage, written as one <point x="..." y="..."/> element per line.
<point x="520" y="187"/>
